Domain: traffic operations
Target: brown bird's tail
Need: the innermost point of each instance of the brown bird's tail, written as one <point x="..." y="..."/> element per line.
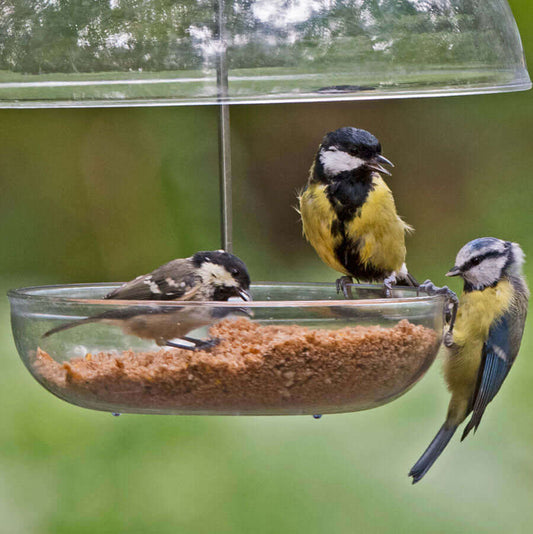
<point x="72" y="324"/>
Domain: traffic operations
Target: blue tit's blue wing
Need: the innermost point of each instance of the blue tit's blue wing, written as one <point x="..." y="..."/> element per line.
<point x="497" y="359"/>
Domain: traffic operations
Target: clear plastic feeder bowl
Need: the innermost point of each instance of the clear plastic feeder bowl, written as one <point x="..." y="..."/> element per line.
<point x="108" y="54"/>
<point x="298" y="350"/>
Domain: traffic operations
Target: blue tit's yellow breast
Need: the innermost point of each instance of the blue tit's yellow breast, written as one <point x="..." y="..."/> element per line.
<point x="317" y="218"/>
<point x="479" y="309"/>
<point x="379" y="229"/>
<point x="477" y="312"/>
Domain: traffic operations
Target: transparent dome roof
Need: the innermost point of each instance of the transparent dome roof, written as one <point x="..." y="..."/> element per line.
<point x="124" y="52"/>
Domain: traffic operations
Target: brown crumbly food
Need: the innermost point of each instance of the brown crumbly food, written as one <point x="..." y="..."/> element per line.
<point x="254" y="369"/>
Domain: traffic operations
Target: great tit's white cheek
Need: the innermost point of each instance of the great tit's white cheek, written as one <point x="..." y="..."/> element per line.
<point x="337" y="161"/>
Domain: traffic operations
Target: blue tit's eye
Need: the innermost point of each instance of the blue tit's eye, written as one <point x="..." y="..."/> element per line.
<point x="476" y="260"/>
<point x="333" y="149"/>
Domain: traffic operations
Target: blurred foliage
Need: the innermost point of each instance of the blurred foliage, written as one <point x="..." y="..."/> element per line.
<point x="93" y="195"/>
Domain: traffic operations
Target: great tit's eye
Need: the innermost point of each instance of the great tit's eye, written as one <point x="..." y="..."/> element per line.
<point x="235" y="271"/>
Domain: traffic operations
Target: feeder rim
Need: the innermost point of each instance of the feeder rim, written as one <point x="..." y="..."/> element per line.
<point x="31" y="293"/>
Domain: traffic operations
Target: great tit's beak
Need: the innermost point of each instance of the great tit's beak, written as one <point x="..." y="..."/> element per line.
<point x="454" y="271"/>
<point x="245" y="295"/>
<point x="376" y="164"/>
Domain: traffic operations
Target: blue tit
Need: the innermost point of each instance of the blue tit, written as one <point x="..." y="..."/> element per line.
<point x="205" y="276"/>
<point x="348" y="212"/>
<point x="484" y="342"/>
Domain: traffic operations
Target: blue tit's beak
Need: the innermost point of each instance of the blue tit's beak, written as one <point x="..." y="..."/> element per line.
<point x="454" y="271"/>
<point x="245" y="295"/>
<point x="376" y="164"/>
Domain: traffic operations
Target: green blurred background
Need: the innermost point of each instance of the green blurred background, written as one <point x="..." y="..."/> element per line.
<point x="98" y="195"/>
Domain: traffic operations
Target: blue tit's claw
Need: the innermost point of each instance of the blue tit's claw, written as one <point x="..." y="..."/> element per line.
<point x="344" y="284"/>
<point x="448" y="339"/>
<point x="452" y="301"/>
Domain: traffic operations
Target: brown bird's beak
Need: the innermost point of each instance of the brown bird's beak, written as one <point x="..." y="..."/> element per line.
<point x="454" y="271"/>
<point x="376" y="164"/>
<point x="245" y="311"/>
<point x="245" y="295"/>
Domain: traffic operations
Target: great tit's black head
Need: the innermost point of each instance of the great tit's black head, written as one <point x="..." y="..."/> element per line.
<point x="348" y="149"/>
<point x="483" y="262"/>
<point x="225" y="273"/>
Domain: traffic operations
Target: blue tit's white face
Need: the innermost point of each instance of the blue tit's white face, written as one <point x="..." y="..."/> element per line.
<point x="483" y="262"/>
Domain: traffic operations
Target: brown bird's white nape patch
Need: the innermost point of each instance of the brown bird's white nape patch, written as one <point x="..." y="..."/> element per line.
<point x="216" y="274"/>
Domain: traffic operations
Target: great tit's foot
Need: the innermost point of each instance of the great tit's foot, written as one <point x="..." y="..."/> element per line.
<point x="452" y="301"/>
<point x="197" y="344"/>
<point x="404" y="277"/>
<point x="388" y="283"/>
<point x="344" y="284"/>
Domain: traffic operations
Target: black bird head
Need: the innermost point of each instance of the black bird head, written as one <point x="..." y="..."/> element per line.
<point x="348" y="149"/>
<point x="225" y="273"/>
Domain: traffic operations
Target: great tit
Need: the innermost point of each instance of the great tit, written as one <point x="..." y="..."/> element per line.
<point x="484" y="342"/>
<point x="205" y="276"/>
<point x="348" y="212"/>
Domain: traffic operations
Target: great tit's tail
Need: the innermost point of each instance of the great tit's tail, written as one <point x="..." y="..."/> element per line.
<point x="72" y="324"/>
<point x="432" y="452"/>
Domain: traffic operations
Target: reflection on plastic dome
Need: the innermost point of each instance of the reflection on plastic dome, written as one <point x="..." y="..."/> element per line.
<point x="124" y="51"/>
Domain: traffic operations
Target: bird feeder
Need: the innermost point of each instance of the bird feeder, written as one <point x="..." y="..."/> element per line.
<point x="305" y="351"/>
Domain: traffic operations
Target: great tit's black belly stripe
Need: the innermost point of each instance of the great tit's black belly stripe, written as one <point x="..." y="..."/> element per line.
<point x="347" y="253"/>
<point x="346" y="198"/>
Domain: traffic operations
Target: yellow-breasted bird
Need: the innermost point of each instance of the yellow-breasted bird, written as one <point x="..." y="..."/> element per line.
<point x="484" y="342"/>
<point x="348" y="211"/>
<point x="205" y="276"/>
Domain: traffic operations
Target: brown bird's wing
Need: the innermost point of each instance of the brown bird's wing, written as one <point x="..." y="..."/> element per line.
<point x="176" y="280"/>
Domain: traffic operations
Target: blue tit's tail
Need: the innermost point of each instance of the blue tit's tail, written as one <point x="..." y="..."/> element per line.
<point x="432" y="452"/>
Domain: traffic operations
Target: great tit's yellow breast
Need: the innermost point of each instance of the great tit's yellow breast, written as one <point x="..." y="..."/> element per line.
<point x="477" y="312"/>
<point x="317" y="217"/>
<point x="379" y="228"/>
